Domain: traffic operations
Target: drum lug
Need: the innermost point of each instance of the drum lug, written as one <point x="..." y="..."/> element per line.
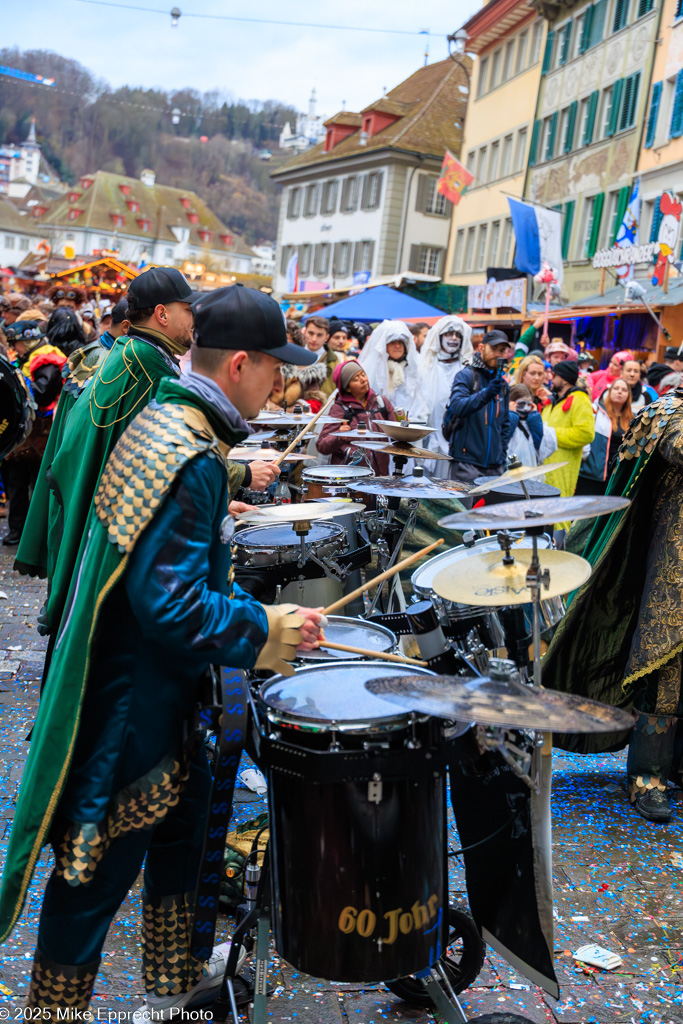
<point x="375" y="789"/>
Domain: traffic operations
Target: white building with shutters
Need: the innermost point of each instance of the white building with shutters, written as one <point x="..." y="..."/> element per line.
<point x="589" y="122"/>
<point x="364" y="200"/>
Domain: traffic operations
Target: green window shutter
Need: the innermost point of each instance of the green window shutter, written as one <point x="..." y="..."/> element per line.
<point x="567" y="227"/>
<point x="644" y="6"/>
<point x="533" y="148"/>
<point x="676" y="129"/>
<point x="620" y="14"/>
<point x="622" y="203"/>
<point x="568" y="141"/>
<point x="628" y="107"/>
<point x="598" y="23"/>
<point x="565" y="43"/>
<point x="586" y="30"/>
<point x="590" y="120"/>
<point x="654" y="112"/>
<point x="552" y="132"/>
<point x="617" y="90"/>
<point x="548" y="55"/>
<point x="592" y="246"/>
<point x="656" y="221"/>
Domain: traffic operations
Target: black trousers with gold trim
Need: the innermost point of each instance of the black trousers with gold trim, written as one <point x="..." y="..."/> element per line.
<point x="75" y="918"/>
<point x="653" y="755"/>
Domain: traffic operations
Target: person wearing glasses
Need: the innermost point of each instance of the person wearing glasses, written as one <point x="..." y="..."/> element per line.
<point x="66" y="295"/>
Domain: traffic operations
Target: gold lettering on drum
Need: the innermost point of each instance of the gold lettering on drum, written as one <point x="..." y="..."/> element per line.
<point x="399" y="921"/>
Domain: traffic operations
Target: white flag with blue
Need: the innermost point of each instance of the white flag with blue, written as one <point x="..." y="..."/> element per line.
<point x="628" y="233"/>
<point x="538" y="238"/>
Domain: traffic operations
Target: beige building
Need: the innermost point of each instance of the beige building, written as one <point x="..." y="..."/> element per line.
<point x="508" y="38"/>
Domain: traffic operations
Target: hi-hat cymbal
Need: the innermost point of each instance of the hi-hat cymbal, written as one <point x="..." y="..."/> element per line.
<point x="514" y="476"/>
<point x="403" y="449"/>
<point x="371" y="436"/>
<point x="505" y="703"/>
<point x="409" y="487"/>
<point x="519" y="515"/>
<point x="402" y="431"/>
<point x="483" y="578"/>
<point x="271" y="515"/>
<point x="291" y="420"/>
<point x="265" y="455"/>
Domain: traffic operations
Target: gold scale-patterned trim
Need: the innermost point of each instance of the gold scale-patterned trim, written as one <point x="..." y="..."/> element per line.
<point x="144" y="464"/>
<point x="61" y="986"/>
<point x="643" y="434"/>
<point x="168" y="967"/>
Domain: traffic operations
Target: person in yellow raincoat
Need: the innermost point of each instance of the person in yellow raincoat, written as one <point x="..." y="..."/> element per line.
<point x="570" y="415"/>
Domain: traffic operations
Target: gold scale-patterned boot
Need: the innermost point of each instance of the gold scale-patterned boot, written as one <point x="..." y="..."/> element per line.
<point x="62" y="987"/>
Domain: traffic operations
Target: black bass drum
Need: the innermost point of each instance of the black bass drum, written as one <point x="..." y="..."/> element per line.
<point x="17" y="408"/>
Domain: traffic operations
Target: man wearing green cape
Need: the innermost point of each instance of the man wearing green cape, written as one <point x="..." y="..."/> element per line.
<point x="622" y="637"/>
<point x="117" y="771"/>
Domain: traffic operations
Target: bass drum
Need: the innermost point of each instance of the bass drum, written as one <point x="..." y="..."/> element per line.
<point x="17" y="408"/>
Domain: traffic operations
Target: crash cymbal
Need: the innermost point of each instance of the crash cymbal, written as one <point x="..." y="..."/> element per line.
<point x="290" y="420"/>
<point x="403" y="431"/>
<point x="271" y="515"/>
<point x="409" y="487"/>
<point x="514" y="476"/>
<point x="518" y="515"/>
<point x="483" y="578"/>
<point x="265" y="455"/>
<point x="371" y="436"/>
<point x="500" y="702"/>
<point x="403" y="449"/>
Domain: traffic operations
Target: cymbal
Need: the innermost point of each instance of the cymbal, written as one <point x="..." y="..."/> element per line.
<point x="371" y="436"/>
<point x="265" y="455"/>
<point x="500" y="702"/>
<point x="514" y="476"/>
<point x="409" y="487"/>
<point x="404" y="449"/>
<point x="402" y="431"/>
<point x="290" y="420"/>
<point x="272" y="515"/>
<point x="518" y="515"/>
<point x="483" y="579"/>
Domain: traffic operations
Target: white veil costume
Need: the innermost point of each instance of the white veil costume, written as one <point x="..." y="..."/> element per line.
<point x="438" y="376"/>
<point x="401" y="383"/>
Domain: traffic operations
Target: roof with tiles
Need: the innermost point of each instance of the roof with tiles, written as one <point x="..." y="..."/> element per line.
<point x="427" y="104"/>
<point x="12" y="220"/>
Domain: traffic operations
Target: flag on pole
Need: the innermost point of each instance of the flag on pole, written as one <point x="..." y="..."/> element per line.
<point x="454" y="178"/>
<point x="538" y="238"/>
<point x="627" y="234"/>
<point x="293" y="274"/>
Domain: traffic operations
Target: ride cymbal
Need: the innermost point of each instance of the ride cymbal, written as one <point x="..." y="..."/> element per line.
<point x="484" y="579"/>
<point x="409" y="487"/>
<point x="519" y="515"/>
<point x="504" y="703"/>
<point x="515" y="476"/>
<point x="403" y="449"/>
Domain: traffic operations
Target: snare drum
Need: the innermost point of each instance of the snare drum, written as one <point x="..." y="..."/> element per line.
<point x="331" y="481"/>
<point x="267" y="557"/>
<point x="353" y="633"/>
<point x="356" y="792"/>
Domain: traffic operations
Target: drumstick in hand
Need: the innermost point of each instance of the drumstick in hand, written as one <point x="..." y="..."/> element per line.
<point x="312" y="423"/>
<point x="382" y="655"/>
<point x="343" y="601"/>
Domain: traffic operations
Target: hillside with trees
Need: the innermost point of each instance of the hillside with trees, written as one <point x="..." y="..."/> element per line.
<point x="206" y="142"/>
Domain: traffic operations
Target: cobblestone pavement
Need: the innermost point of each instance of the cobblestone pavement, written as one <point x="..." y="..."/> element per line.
<point x="618" y="883"/>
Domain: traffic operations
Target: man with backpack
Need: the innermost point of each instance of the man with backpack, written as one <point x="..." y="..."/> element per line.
<point x="476" y="423"/>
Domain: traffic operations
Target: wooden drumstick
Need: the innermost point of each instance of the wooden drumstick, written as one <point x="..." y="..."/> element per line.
<point x="312" y="423"/>
<point x="343" y="601"/>
<point x="382" y="655"/>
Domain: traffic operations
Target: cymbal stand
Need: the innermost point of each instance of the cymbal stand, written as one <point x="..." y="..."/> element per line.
<point x="409" y="523"/>
<point x="535" y="580"/>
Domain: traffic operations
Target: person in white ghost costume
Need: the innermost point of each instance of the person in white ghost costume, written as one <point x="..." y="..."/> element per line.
<point x="393" y="366"/>
<point x="447" y="348"/>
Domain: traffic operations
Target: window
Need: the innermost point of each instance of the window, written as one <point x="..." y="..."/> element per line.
<point x="104" y="243"/>
<point x="349" y="199"/>
<point x="69" y="236"/>
<point x="495" y="69"/>
<point x="536" y="40"/>
<point x="304" y="260"/>
<point x="548" y="138"/>
<point x="483" y="74"/>
<point x="654" y="111"/>
<point x="285" y="256"/>
<point x="469" y="250"/>
<point x="629" y="102"/>
<point x="293" y="203"/>
<point x="342" y="259"/>
<point x="9" y="241"/>
<point x="606" y="113"/>
<point x="311" y="200"/>
<point x="611" y="220"/>
<point x="567" y="135"/>
<point x="493" y="162"/>
<point x="372" y="190"/>
<point x="620" y="18"/>
<point x="508" y="60"/>
<point x="507" y="243"/>
<point x="329" y="197"/>
<point x="645" y="6"/>
<point x="430" y="260"/>
<point x="434" y="202"/>
<point x="563" y="44"/>
<point x="588" y="118"/>
<point x="471" y="158"/>
<point x="481" y="250"/>
<point x="522" y="44"/>
<point x="23" y="244"/>
<point x="322" y="259"/>
<point x="168" y="254"/>
<point x="521" y="150"/>
<point x="493" y="244"/>
<point x="592" y="219"/>
<point x="579" y="30"/>
<point x="365" y="255"/>
<point x="458" y="250"/>
<point x="506" y="156"/>
<point x="481" y="167"/>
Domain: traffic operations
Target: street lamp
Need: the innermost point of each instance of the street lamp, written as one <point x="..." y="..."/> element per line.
<point x="457" y="42"/>
<point x="175" y="16"/>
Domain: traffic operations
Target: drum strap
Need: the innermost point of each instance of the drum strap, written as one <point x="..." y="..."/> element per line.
<point x="228" y="717"/>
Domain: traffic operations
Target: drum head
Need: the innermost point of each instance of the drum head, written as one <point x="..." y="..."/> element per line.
<point x="325" y="697"/>
<point x="353" y="633"/>
<point x="283" y="536"/>
<point x="336" y="474"/>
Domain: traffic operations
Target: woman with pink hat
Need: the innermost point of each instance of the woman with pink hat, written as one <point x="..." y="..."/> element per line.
<point x="358" y="406"/>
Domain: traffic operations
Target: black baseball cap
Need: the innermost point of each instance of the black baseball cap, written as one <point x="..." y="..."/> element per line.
<point x="159" y="285"/>
<point x="495" y="338"/>
<point x="672" y="352"/>
<point x="119" y="312"/>
<point x="243" y="318"/>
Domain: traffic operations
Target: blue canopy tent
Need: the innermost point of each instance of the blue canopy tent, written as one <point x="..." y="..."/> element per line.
<point x="379" y="303"/>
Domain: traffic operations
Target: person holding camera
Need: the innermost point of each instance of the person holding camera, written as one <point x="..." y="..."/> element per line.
<point x="358" y="406"/>
<point x="477" y="421"/>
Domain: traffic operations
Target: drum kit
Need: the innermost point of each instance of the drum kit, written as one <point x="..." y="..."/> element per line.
<point x="356" y="747"/>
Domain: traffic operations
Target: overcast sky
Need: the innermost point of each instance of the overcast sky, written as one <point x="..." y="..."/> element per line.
<point x="247" y="61"/>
